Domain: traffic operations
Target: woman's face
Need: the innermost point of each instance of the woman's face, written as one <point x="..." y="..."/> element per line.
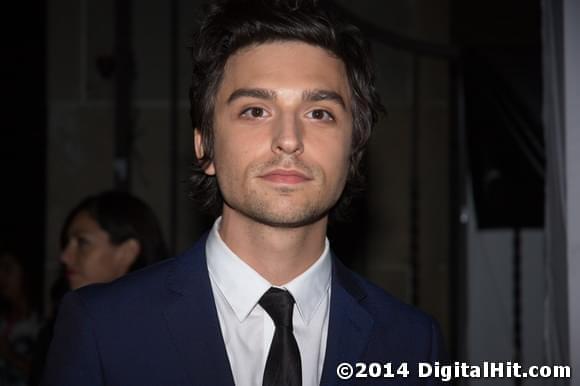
<point x="89" y="255"/>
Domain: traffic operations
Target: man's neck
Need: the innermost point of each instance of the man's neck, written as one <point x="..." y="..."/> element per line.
<point x="278" y="254"/>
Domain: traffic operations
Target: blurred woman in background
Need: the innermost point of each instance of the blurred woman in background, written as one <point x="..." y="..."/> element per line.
<point x="107" y="235"/>
<point x="104" y="237"/>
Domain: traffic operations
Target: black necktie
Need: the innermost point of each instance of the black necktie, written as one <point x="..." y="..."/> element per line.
<point x="283" y="366"/>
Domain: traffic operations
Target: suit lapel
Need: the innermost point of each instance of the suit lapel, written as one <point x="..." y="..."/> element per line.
<point x="195" y="330"/>
<point x="349" y="325"/>
<point x="193" y="322"/>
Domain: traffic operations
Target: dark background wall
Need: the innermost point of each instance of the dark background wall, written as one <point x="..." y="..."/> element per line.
<point x="502" y="66"/>
<point x="23" y="136"/>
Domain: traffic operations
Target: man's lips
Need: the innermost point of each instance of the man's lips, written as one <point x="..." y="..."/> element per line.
<point x="285" y="176"/>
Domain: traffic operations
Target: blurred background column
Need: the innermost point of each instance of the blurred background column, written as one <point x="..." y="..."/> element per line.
<point x="561" y="111"/>
<point x="572" y="123"/>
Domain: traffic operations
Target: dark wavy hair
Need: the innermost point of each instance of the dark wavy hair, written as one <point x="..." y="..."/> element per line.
<point x="233" y="24"/>
<point x="123" y="216"/>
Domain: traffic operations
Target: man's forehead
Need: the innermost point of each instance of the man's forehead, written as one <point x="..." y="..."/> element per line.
<point x="312" y="95"/>
<point x="286" y="65"/>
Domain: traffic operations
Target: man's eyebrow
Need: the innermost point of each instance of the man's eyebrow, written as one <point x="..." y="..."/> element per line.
<point x="259" y="93"/>
<point x="323" y="95"/>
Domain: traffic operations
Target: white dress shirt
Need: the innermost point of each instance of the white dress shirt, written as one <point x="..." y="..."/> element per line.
<point x="248" y="330"/>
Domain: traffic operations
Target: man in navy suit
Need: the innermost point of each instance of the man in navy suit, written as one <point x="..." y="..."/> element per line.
<point x="282" y="103"/>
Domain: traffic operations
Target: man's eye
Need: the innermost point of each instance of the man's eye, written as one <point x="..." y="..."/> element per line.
<point x="321" y="115"/>
<point x="254" y="112"/>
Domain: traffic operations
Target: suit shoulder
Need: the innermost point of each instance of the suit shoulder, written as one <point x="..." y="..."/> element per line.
<point x="387" y="309"/>
<point x="132" y="285"/>
<point x="148" y="282"/>
<point x="397" y="327"/>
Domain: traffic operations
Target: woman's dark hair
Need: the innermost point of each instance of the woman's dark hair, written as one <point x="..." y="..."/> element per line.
<point x="233" y="24"/>
<point x="123" y="216"/>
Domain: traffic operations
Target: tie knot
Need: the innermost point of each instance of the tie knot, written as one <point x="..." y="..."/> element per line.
<point x="279" y="304"/>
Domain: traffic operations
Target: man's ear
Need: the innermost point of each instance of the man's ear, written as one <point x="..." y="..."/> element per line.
<point x="127" y="253"/>
<point x="200" y="152"/>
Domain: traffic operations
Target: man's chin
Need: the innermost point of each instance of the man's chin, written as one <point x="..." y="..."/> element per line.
<point x="291" y="216"/>
<point x="277" y="220"/>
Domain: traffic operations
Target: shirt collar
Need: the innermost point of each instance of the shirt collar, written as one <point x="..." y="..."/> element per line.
<point x="243" y="287"/>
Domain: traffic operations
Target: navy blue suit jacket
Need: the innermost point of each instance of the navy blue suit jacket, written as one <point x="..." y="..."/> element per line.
<point x="159" y="326"/>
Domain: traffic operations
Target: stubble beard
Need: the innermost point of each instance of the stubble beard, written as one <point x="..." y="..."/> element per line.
<point x="276" y="207"/>
<point x="265" y="212"/>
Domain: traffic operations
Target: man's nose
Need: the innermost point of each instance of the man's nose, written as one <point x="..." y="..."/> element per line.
<point x="288" y="135"/>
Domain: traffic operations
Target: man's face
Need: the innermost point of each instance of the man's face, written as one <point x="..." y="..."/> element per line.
<point x="283" y="129"/>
